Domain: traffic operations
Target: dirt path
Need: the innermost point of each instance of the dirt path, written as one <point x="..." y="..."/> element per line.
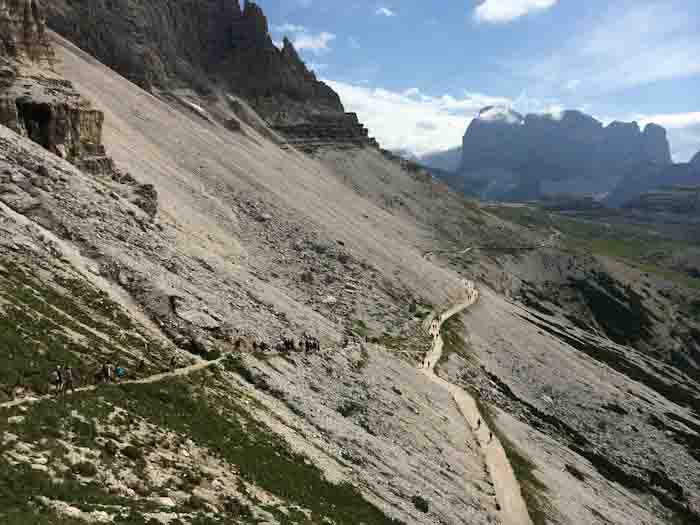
<point x="508" y="493"/>
<point x="200" y="365"/>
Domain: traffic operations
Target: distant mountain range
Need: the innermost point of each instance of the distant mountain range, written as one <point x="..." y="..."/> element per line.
<point x="508" y="156"/>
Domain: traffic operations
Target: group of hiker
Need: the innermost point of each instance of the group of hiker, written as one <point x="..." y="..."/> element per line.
<point x="109" y="373"/>
<point x="63" y="377"/>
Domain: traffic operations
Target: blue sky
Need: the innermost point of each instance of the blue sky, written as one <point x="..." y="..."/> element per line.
<point x="416" y="72"/>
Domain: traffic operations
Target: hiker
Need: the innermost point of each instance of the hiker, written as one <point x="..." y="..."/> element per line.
<point x="478" y="423"/>
<point x="120" y="373"/>
<point x="173" y="363"/>
<point x="103" y="375"/>
<point x="56" y="379"/>
<point x="68" y="380"/>
<point x="110" y="372"/>
<point x="490" y="436"/>
<point x="142" y="365"/>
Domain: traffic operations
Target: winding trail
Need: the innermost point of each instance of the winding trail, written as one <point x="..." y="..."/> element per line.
<point x="508" y="493"/>
<point x="200" y="365"/>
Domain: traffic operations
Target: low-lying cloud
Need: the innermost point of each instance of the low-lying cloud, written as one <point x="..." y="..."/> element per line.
<point x="411" y="120"/>
<point x="303" y="39"/>
<point x="414" y="122"/>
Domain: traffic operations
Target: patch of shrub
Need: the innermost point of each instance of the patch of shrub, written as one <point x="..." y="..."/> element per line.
<point x="420" y="503"/>
<point x="85" y="469"/>
<point x="132" y="452"/>
<point x="348" y="408"/>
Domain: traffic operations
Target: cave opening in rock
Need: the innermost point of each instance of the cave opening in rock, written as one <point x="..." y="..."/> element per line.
<point x="37" y="119"/>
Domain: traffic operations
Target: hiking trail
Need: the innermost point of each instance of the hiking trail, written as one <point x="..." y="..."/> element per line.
<point x="200" y="365"/>
<point x="508" y="493"/>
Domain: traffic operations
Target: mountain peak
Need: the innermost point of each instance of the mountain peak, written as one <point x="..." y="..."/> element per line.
<point x="500" y="114"/>
<point x="695" y="161"/>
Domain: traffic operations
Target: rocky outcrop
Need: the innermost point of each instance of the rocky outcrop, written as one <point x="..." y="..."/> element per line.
<point x="38" y="104"/>
<point x="339" y="131"/>
<point x="525" y="157"/>
<point x="210" y="45"/>
<point x="23" y="31"/>
<point x="34" y="101"/>
<point x="163" y="45"/>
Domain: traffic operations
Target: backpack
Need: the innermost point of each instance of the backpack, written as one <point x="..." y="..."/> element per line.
<point x="54" y="378"/>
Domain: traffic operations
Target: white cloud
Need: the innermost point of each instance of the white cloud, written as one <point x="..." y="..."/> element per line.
<point x="317" y="67"/>
<point x="303" y="39"/>
<point x="503" y="11"/>
<point x="672" y="120"/>
<point x="411" y="120"/>
<point x="628" y="45"/>
<point x="384" y="11"/>
<point x="289" y="28"/>
<point x="317" y="44"/>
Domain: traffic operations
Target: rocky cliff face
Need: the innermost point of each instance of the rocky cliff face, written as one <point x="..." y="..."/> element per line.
<point x="38" y="104"/>
<point x="210" y="45"/>
<point x="529" y="156"/>
<point x="34" y="101"/>
<point x="23" y="32"/>
<point x="695" y="161"/>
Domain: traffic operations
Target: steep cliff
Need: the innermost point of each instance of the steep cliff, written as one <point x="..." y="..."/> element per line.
<point x="695" y="161"/>
<point x="211" y="46"/>
<point x="23" y="32"/>
<point x="522" y="157"/>
<point x="34" y="101"/>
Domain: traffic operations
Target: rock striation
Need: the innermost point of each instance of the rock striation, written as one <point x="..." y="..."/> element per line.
<point x="525" y="157"/>
<point x="341" y="131"/>
<point x="211" y="45"/>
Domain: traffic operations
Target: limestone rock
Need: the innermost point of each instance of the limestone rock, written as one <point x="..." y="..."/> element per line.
<point x="695" y="162"/>
<point x="209" y="45"/>
<point x="23" y="31"/>
<point x="519" y="157"/>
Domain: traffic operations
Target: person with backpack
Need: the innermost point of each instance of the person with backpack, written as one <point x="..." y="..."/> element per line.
<point x="56" y="379"/>
<point x="120" y="373"/>
<point x="68" y="381"/>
